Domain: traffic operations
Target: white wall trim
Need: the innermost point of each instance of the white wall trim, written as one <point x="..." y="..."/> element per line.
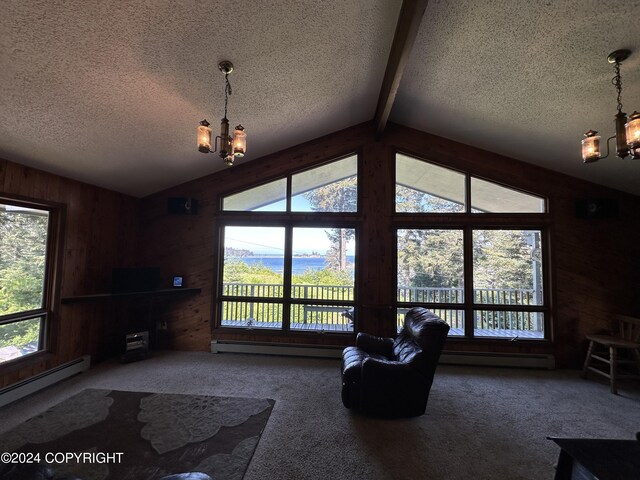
<point x="19" y="390"/>
<point x="447" y="358"/>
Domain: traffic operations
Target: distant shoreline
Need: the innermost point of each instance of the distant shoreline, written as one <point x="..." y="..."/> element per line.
<point x="278" y="256"/>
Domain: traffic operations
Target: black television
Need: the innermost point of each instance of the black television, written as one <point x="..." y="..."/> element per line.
<point x="135" y="279"/>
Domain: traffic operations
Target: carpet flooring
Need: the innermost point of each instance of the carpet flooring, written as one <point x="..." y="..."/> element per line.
<point x="119" y="435"/>
<point x="481" y="423"/>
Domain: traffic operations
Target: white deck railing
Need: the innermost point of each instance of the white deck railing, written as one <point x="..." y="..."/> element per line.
<point x="267" y="314"/>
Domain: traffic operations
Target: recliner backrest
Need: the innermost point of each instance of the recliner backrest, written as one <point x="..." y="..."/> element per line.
<point x="421" y="340"/>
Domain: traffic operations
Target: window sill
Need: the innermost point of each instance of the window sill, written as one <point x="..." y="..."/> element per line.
<point x="25" y="361"/>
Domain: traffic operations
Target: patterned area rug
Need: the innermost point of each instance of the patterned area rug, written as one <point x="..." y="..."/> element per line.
<point x="109" y="434"/>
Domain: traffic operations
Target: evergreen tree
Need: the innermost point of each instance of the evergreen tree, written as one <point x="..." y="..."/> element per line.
<point x="23" y="245"/>
<point x="341" y="196"/>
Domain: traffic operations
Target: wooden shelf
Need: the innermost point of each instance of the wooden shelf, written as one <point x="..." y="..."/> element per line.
<point x="101" y="297"/>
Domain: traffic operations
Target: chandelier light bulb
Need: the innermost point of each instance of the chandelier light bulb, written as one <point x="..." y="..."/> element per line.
<point x="239" y="141"/>
<point x="204" y="137"/>
<point x="591" y="147"/>
<point x="632" y="129"/>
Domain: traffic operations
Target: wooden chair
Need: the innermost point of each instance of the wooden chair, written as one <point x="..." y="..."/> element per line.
<point x="627" y="339"/>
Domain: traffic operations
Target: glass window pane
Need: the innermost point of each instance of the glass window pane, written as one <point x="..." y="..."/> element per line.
<point x="427" y="188"/>
<point x="330" y="188"/>
<point x="455" y="319"/>
<point x="507" y="267"/>
<point x="323" y="263"/>
<point x="488" y="197"/>
<point x="23" y="252"/>
<point x="253" y="261"/>
<point x="430" y="266"/>
<point x="270" y="197"/>
<point x="19" y="338"/>
<point x="523" y="325"/>
<point x="322" y="318"/>
<point x="252" y="315"/>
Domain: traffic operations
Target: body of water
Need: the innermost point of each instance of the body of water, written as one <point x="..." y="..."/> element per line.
<point x="300" y="264"/>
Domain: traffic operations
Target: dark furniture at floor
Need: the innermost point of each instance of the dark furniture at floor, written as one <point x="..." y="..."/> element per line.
<point x="392" y="378"/>
<point x="143" y="332"/>
<point x="610" y="350"/>
<point x="593" y="459"/>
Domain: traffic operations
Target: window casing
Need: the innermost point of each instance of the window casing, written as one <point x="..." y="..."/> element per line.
<point x="27" y="241"/>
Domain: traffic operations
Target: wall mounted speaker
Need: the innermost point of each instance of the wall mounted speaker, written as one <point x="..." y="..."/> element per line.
<point x="597" y="208"/>
<point x="182" y="205"/>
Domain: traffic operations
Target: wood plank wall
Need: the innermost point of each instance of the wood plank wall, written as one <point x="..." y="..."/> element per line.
<point x="594" y="268"/>
<point x="99" y="233"/>
<point x="594" y="261"/>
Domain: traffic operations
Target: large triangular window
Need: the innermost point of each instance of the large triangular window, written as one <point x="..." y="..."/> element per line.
<point x="422" y="187"/>
<point x="330" y="188"/>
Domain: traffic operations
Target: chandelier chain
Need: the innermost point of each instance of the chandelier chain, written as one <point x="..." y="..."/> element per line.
<point x="617" y="81"/>
<point x="227" y="92"/>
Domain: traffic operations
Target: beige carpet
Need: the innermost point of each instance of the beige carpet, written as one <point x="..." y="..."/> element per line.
<point x="481" y="423"/>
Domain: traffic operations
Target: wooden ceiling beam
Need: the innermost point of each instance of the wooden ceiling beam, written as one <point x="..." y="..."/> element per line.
<point x="411" y="14"/>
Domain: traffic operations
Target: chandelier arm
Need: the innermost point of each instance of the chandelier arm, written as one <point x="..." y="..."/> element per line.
<point x="215" y="144"/>
<point x="608" y="150"/>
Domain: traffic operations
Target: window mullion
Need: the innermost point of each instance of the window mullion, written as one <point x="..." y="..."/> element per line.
<point x="288" y="263"/>
<point x="468" y="282"/>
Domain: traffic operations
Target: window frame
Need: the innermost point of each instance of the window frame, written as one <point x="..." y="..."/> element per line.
<point x="468" y="222"/>
<point x="289" y="220"/>
<point x="468" y="194"/>
<point x="51" y="283"/>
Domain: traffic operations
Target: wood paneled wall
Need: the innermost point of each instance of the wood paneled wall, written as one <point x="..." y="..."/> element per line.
<point x="594" y="262"/>
<point x="100" y="230"/>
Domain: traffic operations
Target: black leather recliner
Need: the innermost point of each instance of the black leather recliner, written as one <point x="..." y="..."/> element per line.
<point x="392" y="378"/>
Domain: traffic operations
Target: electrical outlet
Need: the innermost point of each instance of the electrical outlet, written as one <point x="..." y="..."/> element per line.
<point x="162" y="325"/>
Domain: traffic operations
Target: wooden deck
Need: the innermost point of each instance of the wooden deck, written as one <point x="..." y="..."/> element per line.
<point x="346" y="328"/>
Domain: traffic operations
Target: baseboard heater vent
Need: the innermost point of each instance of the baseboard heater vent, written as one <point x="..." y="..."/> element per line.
<point x="447" y="358"/>
<point x="18" y="390"/>
<point x="498" y="359"/>
<point x="273" y="349"/>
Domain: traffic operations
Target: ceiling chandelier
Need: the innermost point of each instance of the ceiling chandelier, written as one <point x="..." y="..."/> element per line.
<point x="230" y="147"/>
<point x="627" y="132"/>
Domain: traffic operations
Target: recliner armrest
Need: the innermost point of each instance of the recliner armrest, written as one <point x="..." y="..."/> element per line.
<point x="376" y="345"/>
<point x="392" y="389"/>
<point x="384" y="373"/>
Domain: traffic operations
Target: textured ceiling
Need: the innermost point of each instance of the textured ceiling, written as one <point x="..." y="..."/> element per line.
<point x="110" y="92"/>
<point x="525" y="79"/>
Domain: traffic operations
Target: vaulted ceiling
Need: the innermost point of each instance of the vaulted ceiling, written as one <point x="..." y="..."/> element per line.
<point x="110" y="92"/>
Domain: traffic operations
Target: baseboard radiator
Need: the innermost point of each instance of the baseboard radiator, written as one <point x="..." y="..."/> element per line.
<point x="19" y="390"/>
<point x="498" y="360"/>
<point x="276" y="349"/>
<point x="447" y="358"/>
